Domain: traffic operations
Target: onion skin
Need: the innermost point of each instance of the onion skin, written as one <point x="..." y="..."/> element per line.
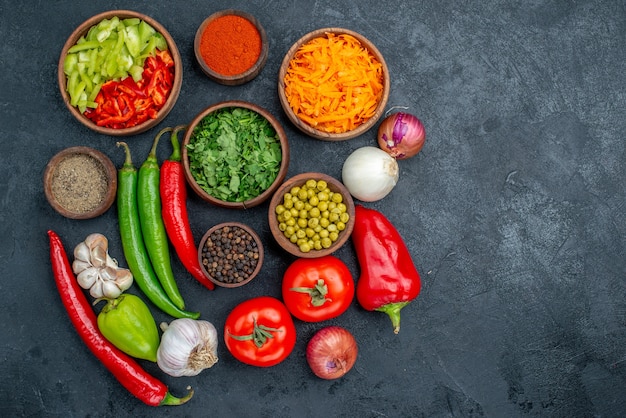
<point x="331" y="352"/>
<point x="401" y="135"/>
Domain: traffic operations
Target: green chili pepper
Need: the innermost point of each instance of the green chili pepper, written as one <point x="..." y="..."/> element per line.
<point x="128" y="324"/>
<point x="152" y="227"/>
<point x="132" y="241"/>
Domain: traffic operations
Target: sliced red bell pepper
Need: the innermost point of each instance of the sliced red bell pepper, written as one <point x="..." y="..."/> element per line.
<point x="126" y="103"/>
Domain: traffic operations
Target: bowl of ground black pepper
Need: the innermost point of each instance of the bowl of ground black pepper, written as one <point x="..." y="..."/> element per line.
<point x="80" y="182"/>
<point x="231" y="47"/>
<point x="230" y="254"/>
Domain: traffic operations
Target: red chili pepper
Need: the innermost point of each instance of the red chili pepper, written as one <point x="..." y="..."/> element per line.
<point x="173" y="188"/>
<point x="125" y="369"/>
<point x="389" y="279"/>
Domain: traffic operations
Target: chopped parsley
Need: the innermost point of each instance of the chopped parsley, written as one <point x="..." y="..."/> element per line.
<point x="234" y="154"/>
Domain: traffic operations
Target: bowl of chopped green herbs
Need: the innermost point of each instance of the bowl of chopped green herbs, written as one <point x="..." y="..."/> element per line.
<point x="235" y="154"/>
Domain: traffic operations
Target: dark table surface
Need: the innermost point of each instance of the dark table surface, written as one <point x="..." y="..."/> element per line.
<point x="514" y="213"/>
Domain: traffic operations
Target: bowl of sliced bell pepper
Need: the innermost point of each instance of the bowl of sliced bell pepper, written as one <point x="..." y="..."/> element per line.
<point x="120" y="73"/>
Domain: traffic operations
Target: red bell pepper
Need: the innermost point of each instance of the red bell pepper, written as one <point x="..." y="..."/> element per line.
<point x="126" y="103"/>
<point x="389" y="279"/>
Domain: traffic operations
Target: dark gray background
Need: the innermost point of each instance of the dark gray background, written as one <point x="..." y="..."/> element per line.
<point x="514" y="213"/>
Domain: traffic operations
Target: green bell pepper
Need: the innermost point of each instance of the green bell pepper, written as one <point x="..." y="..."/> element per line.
<point x="128" y="324"/>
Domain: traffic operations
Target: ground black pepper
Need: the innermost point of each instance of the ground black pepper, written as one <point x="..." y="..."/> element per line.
<point x="79" y="183"/>
<point x="230" y="254"/>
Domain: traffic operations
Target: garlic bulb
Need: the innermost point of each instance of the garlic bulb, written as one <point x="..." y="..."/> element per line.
<point x="187" y="347"/>
<point x="96" y="271"/>
<point x="370" y="174"/>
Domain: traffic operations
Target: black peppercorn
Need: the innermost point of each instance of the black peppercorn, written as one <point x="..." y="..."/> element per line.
<point x="230" y="254"/>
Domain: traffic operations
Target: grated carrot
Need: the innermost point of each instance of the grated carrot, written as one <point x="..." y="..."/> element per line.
<point x="333" y="83"/>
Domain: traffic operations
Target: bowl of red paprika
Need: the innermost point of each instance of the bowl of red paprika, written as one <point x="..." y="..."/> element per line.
<point x="231" y="47"/>
<point x="333" y="84"/>
<point x="120" y="73"/>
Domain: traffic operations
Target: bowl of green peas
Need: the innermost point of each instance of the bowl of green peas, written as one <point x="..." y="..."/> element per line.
<point x="311" y="215"/>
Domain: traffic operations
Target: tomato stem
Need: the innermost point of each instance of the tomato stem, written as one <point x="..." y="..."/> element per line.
<point x="317" y="293"/>
<point x="260" y="334"/>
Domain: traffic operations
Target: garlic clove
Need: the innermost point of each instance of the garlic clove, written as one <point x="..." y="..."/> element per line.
<point x="78" y="266"/>
<point x="97" y="240"/>
<point x="123" y="279"/>
<point x="111" y="262"/>
<point x="108" y="274"/>
<point x="98" y="256"/>
<point x="87" y="277"/>
<point x="110" y="289"/>
<point x="82" y="253"/>
<point x="96" y="289"/>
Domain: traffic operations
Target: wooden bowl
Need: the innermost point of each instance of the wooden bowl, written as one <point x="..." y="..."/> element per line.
<point x="284" y="165"/>
<point x="80" y="183"/>
<point x="335" y="186"/>
<point x="305" y="127"/>
<point x="231" y="79"/>
<point x="233" y="267"/>
<point x="178" y="73"/>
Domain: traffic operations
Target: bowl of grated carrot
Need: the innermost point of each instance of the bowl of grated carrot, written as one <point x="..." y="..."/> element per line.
<point x="333" y="84"/>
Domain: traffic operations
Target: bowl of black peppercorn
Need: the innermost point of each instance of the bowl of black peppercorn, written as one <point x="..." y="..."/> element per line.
<point x="230" y="254"/>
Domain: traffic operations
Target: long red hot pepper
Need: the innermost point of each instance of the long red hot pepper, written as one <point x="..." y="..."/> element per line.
<point x="174" y="211"/>
<point x="389" y="279"/>
<point x="126" y="370"/>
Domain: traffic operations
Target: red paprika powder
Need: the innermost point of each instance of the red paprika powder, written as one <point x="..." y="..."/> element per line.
<point x="230" y="45"/>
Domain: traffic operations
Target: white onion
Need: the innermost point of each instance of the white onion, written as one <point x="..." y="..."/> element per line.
<point x="331" y="352"/>
<point x="369" y="174"/>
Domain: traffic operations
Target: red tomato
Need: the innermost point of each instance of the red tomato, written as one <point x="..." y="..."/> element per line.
<point x="260" y="332"/>
<point x="317" y="289"/>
